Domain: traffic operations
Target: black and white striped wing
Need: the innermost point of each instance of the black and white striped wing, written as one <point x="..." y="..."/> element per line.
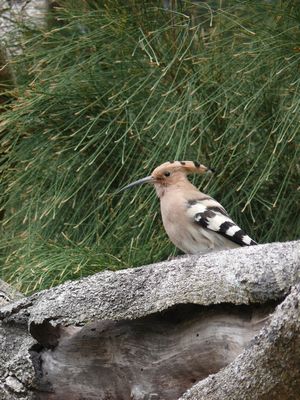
<point x="216" y="219"/>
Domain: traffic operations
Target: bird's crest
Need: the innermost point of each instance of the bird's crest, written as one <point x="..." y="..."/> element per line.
<point x="188" y="167"/>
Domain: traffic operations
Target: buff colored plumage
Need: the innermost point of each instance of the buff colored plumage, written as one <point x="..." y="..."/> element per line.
<point x="194" y="221"/>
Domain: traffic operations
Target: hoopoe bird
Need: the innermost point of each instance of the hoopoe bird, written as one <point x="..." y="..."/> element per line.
<point x="194" y="221"/>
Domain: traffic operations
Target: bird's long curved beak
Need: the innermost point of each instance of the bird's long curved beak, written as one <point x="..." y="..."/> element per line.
<point x="148" y="179"/>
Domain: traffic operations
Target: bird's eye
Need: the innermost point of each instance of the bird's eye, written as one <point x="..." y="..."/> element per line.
<point x="167" y="173"/>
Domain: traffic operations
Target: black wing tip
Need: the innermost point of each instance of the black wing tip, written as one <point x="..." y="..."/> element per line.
<point x="202" y="218"/>
<point x="253" y="243"/>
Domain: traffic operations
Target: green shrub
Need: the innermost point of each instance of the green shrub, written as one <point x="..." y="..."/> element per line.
<point x="106" y="93"/>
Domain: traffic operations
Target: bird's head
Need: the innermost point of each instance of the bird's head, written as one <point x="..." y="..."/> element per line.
<point x="171" y="173"/>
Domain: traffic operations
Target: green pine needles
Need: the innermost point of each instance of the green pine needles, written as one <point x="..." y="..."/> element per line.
<point x="107" y="92"/>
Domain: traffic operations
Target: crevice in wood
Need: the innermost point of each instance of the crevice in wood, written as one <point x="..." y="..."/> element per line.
<point x="107" y="337"/>
<point x="46" y="334"/>
<point x="159" y="356"/>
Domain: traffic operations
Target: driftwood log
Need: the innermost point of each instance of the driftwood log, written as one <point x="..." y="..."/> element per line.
<point x="219" y="326"/>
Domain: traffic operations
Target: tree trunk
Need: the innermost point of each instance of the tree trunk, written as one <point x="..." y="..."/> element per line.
<point x="224" y="325"/>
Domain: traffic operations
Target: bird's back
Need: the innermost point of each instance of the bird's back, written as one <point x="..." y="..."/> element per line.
<point x="197" y="223"/>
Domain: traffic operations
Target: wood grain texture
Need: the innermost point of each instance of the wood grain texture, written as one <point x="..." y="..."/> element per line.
<point x="160" y="355"/>
<point x="269" y="368"/>
<point x="132" y="334"/>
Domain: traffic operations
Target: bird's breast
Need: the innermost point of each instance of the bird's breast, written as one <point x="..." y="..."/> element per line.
<point x="184" y="232"/>
<point x="181" y="229"/>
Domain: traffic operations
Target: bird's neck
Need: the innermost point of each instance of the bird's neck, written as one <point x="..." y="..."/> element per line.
<point x="181" y="185"/>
